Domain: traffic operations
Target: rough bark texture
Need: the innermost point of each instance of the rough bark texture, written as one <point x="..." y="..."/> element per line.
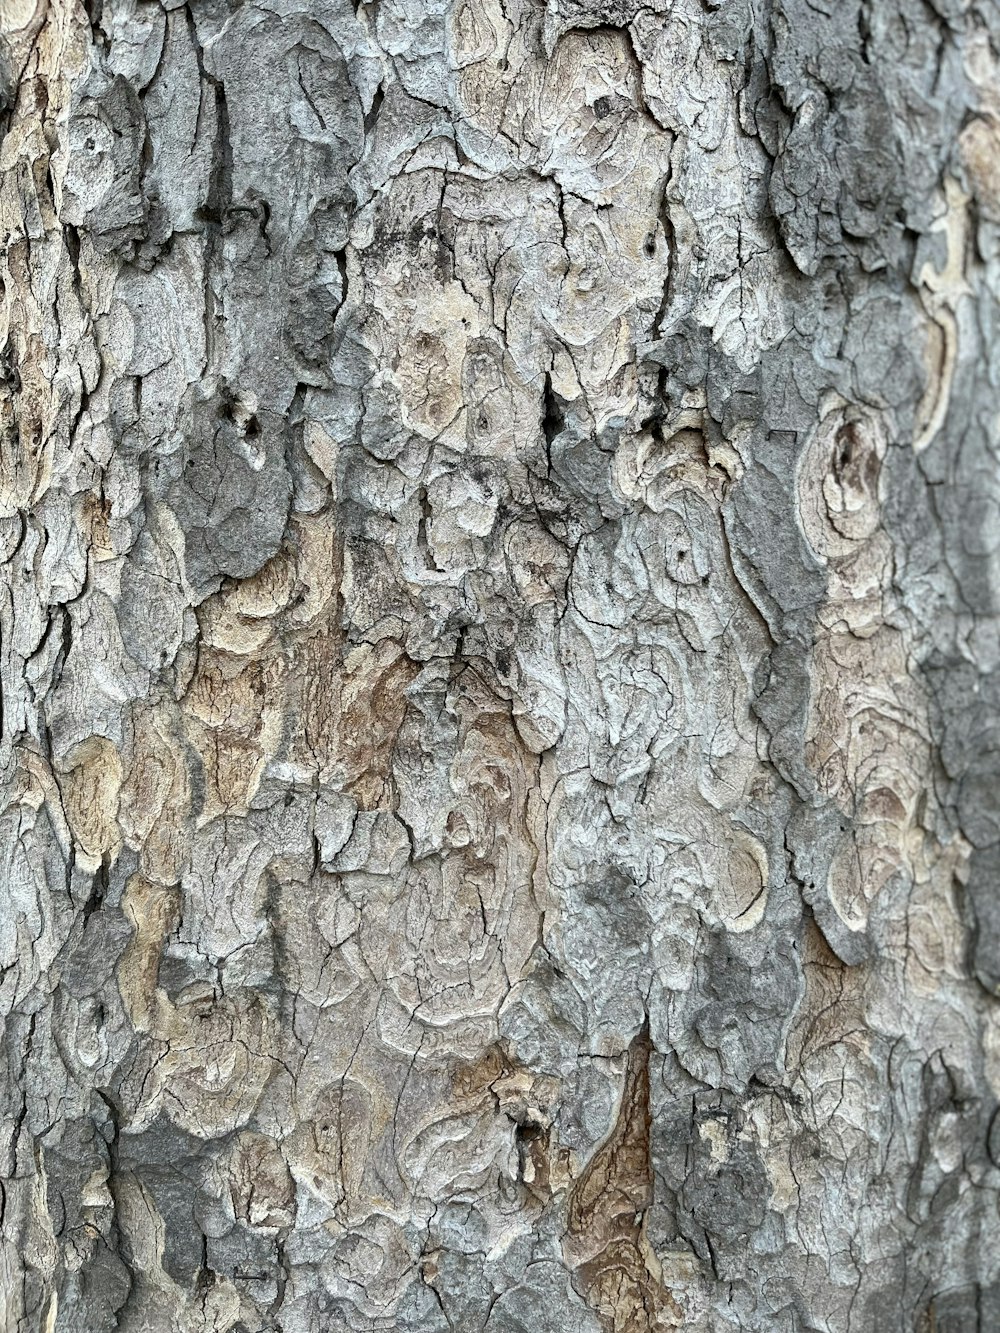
<point x="501" y="666"/>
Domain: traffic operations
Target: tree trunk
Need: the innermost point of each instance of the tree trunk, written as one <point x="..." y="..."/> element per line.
<point x="501" y="666"/>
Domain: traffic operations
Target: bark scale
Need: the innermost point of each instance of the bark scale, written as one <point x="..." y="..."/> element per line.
<point x="500" y="512"/>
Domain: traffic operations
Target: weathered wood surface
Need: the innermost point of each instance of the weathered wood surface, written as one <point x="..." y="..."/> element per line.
<point x="501" y="667"/>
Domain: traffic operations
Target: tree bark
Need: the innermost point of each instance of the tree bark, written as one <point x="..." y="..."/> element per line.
<point x="501" y="666"/>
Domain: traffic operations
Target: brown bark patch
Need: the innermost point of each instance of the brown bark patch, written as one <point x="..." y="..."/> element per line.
<point x="605" y="1243"/>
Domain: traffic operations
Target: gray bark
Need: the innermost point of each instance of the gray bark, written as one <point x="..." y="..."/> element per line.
<point x="501" y="666"/>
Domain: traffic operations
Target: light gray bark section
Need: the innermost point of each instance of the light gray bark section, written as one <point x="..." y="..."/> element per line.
<point x="500" y="743"/>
